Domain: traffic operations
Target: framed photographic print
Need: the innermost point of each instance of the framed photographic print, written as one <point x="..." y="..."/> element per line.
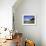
<point x="28" y="20"/>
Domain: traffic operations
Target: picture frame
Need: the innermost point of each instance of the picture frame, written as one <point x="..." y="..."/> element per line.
<point x="28" y="20"/>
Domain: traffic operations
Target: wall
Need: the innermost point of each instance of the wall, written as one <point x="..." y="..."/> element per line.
<point x="6" y="13"/>
<point x="43" y="22"/>
<point x="32" y="32"/>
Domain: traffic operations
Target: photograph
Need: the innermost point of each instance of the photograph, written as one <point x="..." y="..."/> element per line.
<point x="29" y="20"/>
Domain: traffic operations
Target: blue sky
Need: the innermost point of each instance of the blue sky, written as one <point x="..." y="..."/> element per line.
<point x="27" y="18"/>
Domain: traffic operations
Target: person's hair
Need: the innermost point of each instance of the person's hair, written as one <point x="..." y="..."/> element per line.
<point x="34" y="44"/>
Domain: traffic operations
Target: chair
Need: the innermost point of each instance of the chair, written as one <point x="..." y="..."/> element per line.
<point x="18" y="39"/>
